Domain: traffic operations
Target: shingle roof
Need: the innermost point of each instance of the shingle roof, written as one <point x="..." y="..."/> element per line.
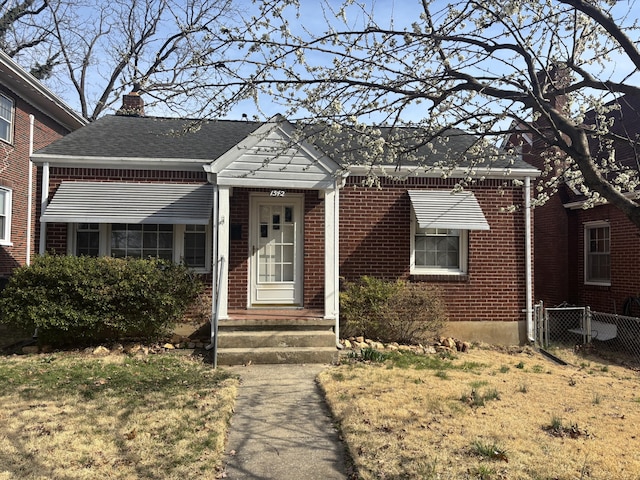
<point x="152" y="137"/>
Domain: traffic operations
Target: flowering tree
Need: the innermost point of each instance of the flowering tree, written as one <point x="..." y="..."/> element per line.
<point x="538" y="72"/>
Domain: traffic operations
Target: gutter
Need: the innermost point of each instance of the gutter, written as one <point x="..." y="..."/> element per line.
<point x="72" y="161"/>
<point x="420" y="172"/>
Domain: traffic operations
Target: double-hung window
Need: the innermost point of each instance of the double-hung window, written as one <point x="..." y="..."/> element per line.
<point x="195" y="246"/>
<point x="5" y="216"/>
<point x="88" y="239"/>
<point x="597" y="253"/>
<point x="439" y="251"/>
<point x="440" y="224"/>
<point x="6" y="119"/>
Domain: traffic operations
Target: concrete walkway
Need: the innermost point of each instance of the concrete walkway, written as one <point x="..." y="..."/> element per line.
<point x="281" y="428"/>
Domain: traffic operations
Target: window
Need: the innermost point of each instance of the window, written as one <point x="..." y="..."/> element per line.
<point x="195" y="246"/>
<point x="189" y="244"/>
<point x="439" y="251"/>
<point x="88" y="239"/>
<point x="597" y="269"/>
<point x="6" y="119"/>
<point x="142" y="241"/>
<point x="5" y="216"/>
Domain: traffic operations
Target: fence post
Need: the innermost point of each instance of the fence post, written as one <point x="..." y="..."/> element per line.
<point x="540" y="324"/>
<point x="587" y="326"/>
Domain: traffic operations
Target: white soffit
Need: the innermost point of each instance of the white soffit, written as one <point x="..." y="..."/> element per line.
<point x="444" y="209"/>
<point x="111" y="202"/>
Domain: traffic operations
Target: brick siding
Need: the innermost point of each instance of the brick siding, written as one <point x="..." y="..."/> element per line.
<point x="375" y="240"/>
<point x="625" y="261"/>
<point x="14" y="174"/>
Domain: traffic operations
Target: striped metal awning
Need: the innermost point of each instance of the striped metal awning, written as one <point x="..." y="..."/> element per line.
<point x="444" y="209"/>
<point x="117" y="202"/>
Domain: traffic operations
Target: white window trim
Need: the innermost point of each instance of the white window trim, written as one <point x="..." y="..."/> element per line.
<point x="178" y="248"/>
<point x="5" y="237"/>
<point x="178" y="244"/>
<point x="464" y="255"/>
<point x="587" y="227"/>
<point x="11" y="120"/>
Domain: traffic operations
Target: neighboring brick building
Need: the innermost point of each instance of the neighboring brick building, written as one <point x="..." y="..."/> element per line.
<point x="589" y="257"/>
<point x="31" y="117"/>
<point x="285" y="228"/>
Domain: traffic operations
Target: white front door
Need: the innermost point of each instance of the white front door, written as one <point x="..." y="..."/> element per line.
<point x="276" y="250"/>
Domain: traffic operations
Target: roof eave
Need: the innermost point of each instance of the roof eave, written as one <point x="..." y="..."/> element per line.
<point x="136" y="163"/>
<point x="426" y="172"/>
<point x="32" y="91"/>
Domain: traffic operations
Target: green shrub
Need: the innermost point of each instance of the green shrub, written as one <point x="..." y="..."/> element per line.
<point x="87" y="299"/>
<point x="391" y="311"/>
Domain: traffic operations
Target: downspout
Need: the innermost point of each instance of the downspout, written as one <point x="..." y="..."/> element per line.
<point x="43" y="203"/>
<point x="30" y="191"/>
<point x="336" y="258"/>
<point x="528" y="259"/>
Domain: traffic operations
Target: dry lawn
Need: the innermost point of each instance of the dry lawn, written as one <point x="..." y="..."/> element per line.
<point x="488" y="415"/>
<point x="76" y="417"/>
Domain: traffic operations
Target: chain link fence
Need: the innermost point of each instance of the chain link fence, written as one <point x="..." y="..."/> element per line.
<point x="577" y="327"/>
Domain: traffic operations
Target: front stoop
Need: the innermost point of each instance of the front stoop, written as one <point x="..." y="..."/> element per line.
<point x="273" y="341"/>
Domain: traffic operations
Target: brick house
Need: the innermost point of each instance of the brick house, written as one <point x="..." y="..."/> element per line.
<point x="31" y="117"/>
<point x="589" y="256"/>
<point x="279" y="231"/>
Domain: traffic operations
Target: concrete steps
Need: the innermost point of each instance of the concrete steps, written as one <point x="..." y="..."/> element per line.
<point x="271" y="340"/>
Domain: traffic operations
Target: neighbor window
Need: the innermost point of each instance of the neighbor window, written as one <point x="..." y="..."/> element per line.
<point x="439" y="251"/>
<point x="6" y="119"/>
<point x="597" y="269"/>
<point x="5" y="216"/>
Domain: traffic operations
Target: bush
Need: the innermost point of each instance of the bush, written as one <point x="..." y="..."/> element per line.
<point x="391" y="311"/>
<point x="87" y="299"/>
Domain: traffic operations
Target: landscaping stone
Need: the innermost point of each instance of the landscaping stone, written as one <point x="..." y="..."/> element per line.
<point x="100" y="350"/>
<point x="440" y="345"/>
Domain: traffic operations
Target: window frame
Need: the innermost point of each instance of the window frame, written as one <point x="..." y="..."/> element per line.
<point x="10" y="121"/>
<point x="588" y="228"/>
<point x="463" y="254"/>
<point x="177" y="248"/>
<point x="5" y="233"/>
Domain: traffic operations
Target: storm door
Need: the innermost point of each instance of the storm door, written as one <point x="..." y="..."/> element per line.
<point x="276" y="251"/>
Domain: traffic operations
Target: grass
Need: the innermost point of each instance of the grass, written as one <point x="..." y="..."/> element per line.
<point x="69" y="416"/>
<point x="393" y="416"/>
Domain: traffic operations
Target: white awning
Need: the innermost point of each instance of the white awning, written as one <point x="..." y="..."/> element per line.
<point x="113" y="202"/>
<point x="444" y="209"/>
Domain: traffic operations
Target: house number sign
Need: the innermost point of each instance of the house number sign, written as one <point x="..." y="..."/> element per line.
<point x="277" y="193"/>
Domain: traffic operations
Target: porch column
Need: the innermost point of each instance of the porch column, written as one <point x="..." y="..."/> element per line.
<point x="223" y="250"/>
<point x="331" y="256"/>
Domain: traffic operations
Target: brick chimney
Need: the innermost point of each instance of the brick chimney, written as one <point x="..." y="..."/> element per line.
<point x="132" y="104"/>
